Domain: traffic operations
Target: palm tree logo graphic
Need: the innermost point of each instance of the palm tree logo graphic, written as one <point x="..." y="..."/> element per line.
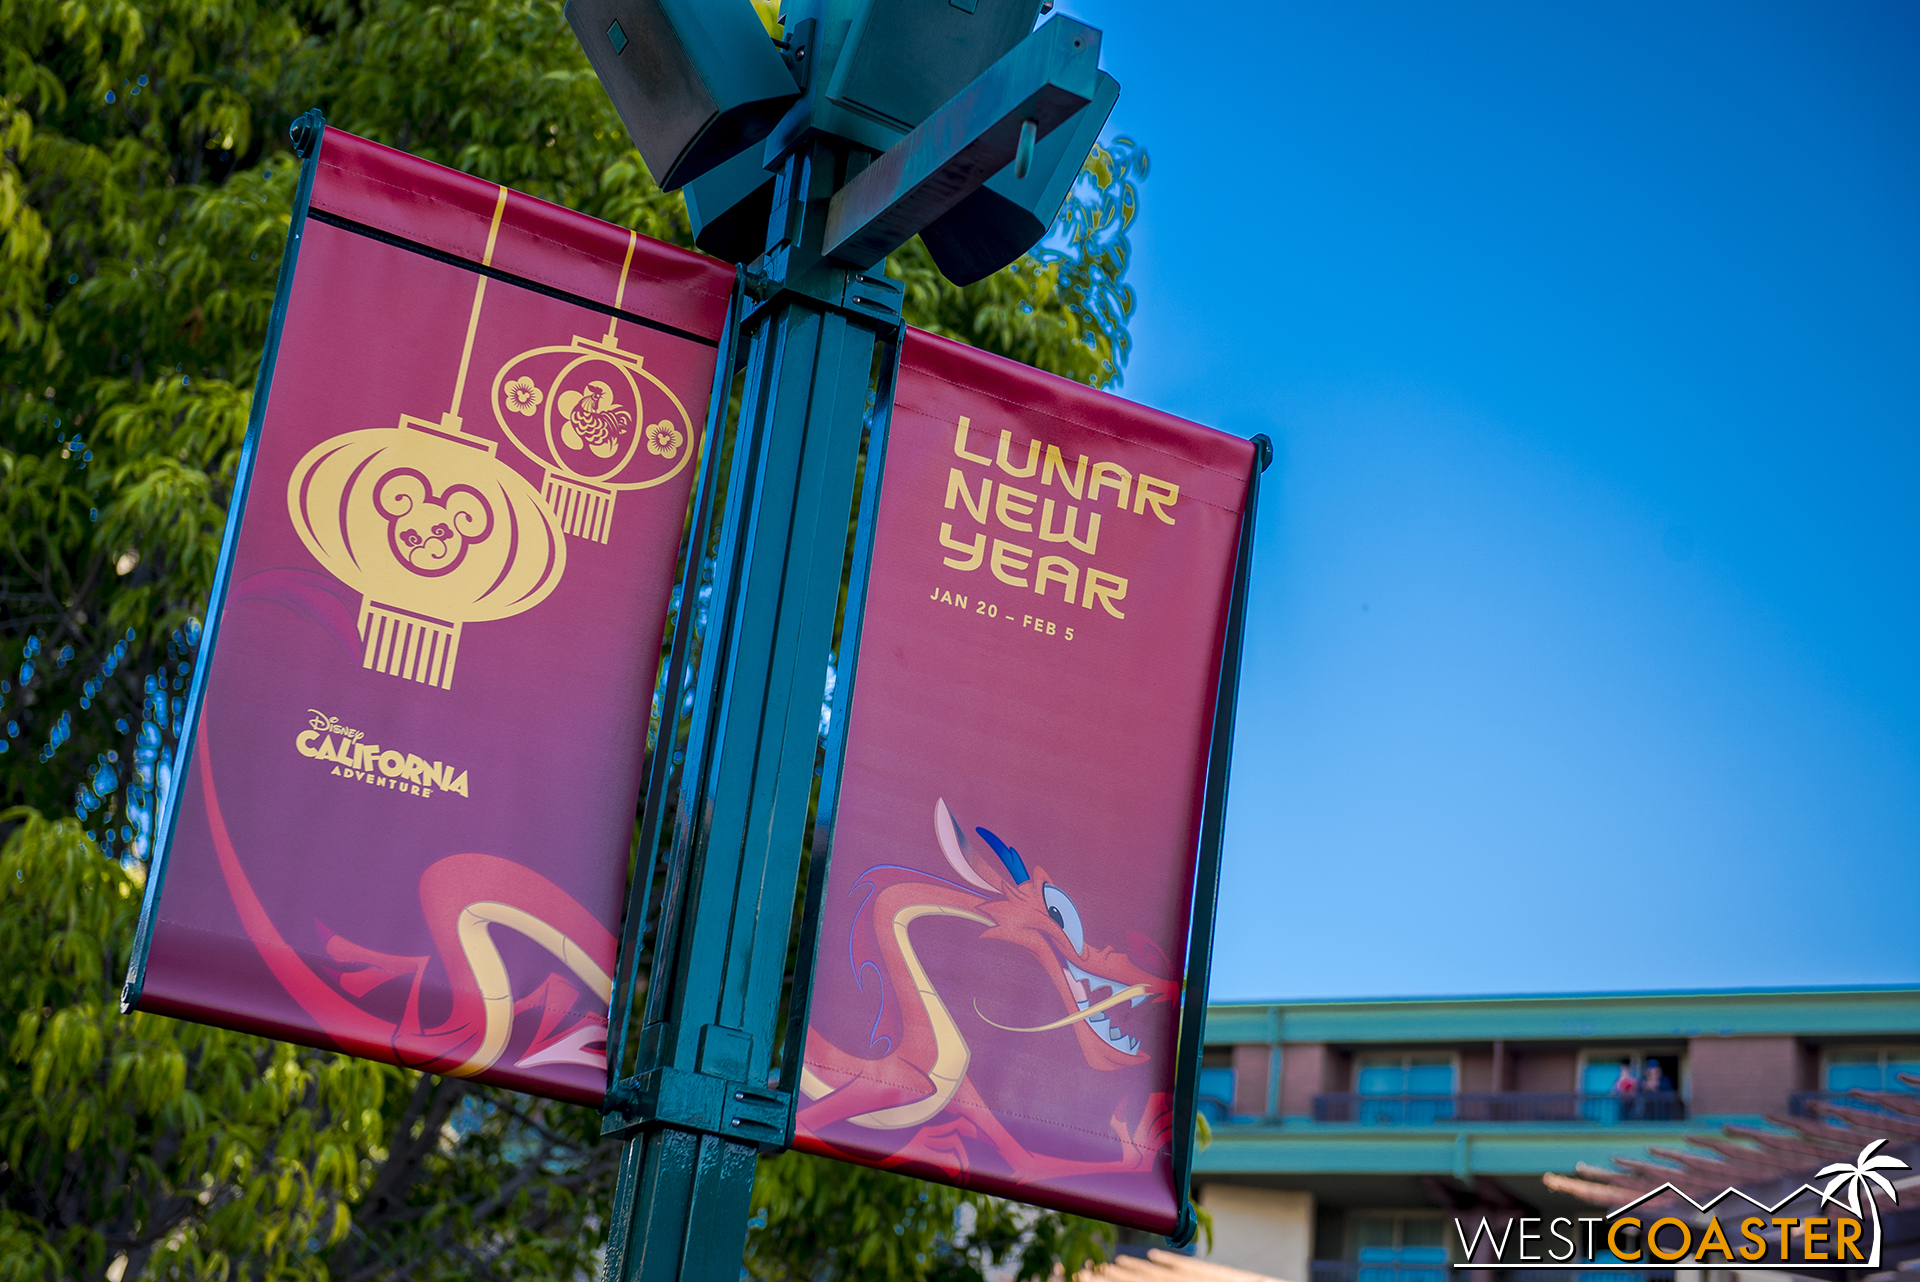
<point x="1862" y="1176"/>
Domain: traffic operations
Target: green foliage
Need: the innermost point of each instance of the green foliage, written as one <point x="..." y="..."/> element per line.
<point x="145" y="192"/>
<point x="1063" y="308"/>
<point x="144" y="209"/>
<point x="185" y="1149"/>
<point x="473" y="1182"/>
<point x="195" y="1152"/>
<point x="818" y="1218"/>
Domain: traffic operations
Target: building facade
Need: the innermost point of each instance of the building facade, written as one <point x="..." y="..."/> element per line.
<point x="1347" y="1133"/>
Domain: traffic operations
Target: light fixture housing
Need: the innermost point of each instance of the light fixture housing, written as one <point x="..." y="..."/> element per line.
<point x="696" y="82"/>
<point x="1006" y="217"/>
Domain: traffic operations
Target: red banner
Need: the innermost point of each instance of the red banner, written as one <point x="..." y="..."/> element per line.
<point x="995" y="995"/>
<point x="410" y="785"/>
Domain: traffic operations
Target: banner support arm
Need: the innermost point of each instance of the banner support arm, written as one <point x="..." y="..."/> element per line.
<point x="1206" y="890"/>
<point x="660" y="772"/>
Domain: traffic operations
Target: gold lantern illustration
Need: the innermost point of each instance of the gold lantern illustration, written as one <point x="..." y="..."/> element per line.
<point x="593" y="416"/>
<point x="433" y="531"/>
<point x="428" y="525"/>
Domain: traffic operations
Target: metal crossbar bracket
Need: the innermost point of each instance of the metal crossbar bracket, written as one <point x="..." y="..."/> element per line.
<point x="867" y="298"/>
<point x="701" y="1102"/>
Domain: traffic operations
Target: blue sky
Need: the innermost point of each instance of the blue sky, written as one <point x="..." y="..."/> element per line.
<point x="1585" y="650"/>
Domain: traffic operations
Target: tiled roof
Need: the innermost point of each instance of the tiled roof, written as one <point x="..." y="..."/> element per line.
<point x="1166" y="1266"/>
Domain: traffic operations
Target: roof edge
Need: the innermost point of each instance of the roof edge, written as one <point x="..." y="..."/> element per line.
<point x="1658" y="994"/>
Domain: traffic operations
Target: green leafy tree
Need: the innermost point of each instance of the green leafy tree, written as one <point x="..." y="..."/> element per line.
<point x="186" y="1150"/>
<point x="145" y="191"/>
<point x="144" y="196"/>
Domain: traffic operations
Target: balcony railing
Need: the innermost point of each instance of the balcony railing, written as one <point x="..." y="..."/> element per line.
<point x="1508" y="1106"/>
<point x="1350" y="1271"/>
<point x="1800" y="1102"/>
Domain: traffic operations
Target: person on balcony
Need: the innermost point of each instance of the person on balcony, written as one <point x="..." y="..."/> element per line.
<point x="1653" y="1083"/>
<point x="1624" y="1087"/>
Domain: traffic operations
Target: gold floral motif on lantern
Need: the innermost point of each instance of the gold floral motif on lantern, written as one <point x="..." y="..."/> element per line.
<point x="597" y="421"/>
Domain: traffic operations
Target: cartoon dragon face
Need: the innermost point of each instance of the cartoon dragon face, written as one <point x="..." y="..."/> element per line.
<point x="1099" y="987"/>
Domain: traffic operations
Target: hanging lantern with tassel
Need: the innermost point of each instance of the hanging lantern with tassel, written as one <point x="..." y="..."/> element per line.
<point x="432" y="530"/>
<point x="597" y="421"/>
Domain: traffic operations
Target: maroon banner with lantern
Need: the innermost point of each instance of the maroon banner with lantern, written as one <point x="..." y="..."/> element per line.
<point x="408" y="792"/>
<point x="1004" y="925"/>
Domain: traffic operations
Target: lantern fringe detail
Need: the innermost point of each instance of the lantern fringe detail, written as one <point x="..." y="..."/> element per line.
<point x="408" y="645"/>
<point x="583" y="510"/>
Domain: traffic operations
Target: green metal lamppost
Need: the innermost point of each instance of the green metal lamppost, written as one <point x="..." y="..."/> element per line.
<point x="806" y="160"/>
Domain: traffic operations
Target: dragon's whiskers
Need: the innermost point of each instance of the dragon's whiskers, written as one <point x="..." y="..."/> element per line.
<point x="1124" y="995"/>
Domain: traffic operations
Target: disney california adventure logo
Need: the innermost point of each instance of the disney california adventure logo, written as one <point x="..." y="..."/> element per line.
<point x="1840" y="1229"/>
<point x="329" y="739"/>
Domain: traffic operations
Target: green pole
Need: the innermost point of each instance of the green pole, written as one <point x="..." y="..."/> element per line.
<point x="700" y="1105"/>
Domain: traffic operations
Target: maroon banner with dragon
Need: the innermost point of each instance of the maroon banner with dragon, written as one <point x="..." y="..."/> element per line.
<point x="409" y="792"/>
<point x="1003" y="932"/>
